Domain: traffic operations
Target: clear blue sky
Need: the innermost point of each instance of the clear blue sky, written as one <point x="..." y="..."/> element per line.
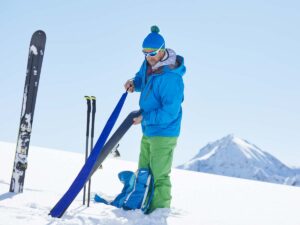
<point x="242" y="58"/>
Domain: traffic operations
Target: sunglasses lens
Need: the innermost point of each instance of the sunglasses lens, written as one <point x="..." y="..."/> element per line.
<point x="150" y="53"/>
<point x="153" y="53"/>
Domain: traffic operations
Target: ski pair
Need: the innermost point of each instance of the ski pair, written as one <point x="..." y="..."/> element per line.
<point x="91" y="108"/>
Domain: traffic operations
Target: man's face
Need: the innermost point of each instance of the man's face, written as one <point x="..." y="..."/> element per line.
<point x="152" y="60"/>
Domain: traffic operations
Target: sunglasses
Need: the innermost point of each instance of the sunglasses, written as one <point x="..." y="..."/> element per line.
<point x="153" y="53"/>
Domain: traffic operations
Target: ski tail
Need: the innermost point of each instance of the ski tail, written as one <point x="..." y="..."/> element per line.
<point x="84" y="174"/>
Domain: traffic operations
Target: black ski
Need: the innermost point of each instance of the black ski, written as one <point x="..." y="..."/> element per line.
<point x="113" y="142"/>
<point x="34" y="65"/>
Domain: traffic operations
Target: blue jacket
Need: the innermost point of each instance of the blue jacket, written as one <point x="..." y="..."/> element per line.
<point x="161" y="98"/>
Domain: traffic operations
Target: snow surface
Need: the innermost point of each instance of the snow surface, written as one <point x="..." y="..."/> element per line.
<point x="235" y="157"/>
<point x="198" y="198"/>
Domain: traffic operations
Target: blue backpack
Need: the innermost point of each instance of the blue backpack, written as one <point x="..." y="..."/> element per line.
<point x="137" y="192"/>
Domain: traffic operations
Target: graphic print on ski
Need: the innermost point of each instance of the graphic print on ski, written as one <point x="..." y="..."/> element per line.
<point x="62" y="205"/>
<point x="34" y="66"/>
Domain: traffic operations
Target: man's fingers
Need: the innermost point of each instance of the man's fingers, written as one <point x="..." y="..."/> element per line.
<point x="129" y="86"/>
<point x="136" y="120"/>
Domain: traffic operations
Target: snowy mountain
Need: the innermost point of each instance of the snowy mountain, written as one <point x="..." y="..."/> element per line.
<point x="235" y="157"/>
<point x="198" y="198"/>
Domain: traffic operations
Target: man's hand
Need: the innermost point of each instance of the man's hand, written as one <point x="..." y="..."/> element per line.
<point x="137" y="120"/>
<point x="129" y="86"/>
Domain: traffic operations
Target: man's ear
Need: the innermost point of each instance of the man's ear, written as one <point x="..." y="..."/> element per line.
<point x="162" y="53"/>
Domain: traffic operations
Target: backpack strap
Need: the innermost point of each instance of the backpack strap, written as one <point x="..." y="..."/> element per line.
<point x="146" y="190"/>
<point x="99" y="199"/>
<point x="149" y="193"/>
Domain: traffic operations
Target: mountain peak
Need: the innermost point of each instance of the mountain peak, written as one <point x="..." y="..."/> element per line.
<point x="230" y="145"/>
<point x="230" y="137"/>
<point x="233" y="139"/>
<point x="234" y="156"/>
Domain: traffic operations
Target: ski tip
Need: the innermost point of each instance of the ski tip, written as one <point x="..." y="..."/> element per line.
<point x="38" y="39"/>
<point x="87" y="97"/>
<point x="93" y="98"/>
<point x="40" y="33"/>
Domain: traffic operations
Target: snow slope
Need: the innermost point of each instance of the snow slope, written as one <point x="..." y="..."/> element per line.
<point x="198" y="198"/>
<point x="235" y="157"/>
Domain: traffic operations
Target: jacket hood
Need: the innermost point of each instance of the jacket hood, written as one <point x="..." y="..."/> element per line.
<point x="168" y="59"/>
<point x="179" y="67"/>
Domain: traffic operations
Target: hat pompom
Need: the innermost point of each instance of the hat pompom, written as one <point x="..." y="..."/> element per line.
<point x="154" y="29"/>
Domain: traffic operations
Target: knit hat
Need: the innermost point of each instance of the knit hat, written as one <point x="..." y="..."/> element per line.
<point x="154" y="40"/>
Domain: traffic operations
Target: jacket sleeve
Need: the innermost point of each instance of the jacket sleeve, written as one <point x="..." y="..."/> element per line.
<point x="137" y="80"/>
<point x="171" y="97"/>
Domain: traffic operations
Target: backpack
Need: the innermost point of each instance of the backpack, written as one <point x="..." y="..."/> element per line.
<point x="137" y="192"/>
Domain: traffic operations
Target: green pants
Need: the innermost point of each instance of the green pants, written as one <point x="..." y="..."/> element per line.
<point x="157" y="154"/>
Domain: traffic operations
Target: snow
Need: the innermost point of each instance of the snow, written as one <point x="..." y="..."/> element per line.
<point x="198" y="198"/>
<point x="33" y="49"/>
<point x="235" y="157"/>
<point x="208" y="155"/>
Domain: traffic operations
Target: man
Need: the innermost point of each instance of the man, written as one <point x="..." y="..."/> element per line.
<point x="161" y="85"/>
